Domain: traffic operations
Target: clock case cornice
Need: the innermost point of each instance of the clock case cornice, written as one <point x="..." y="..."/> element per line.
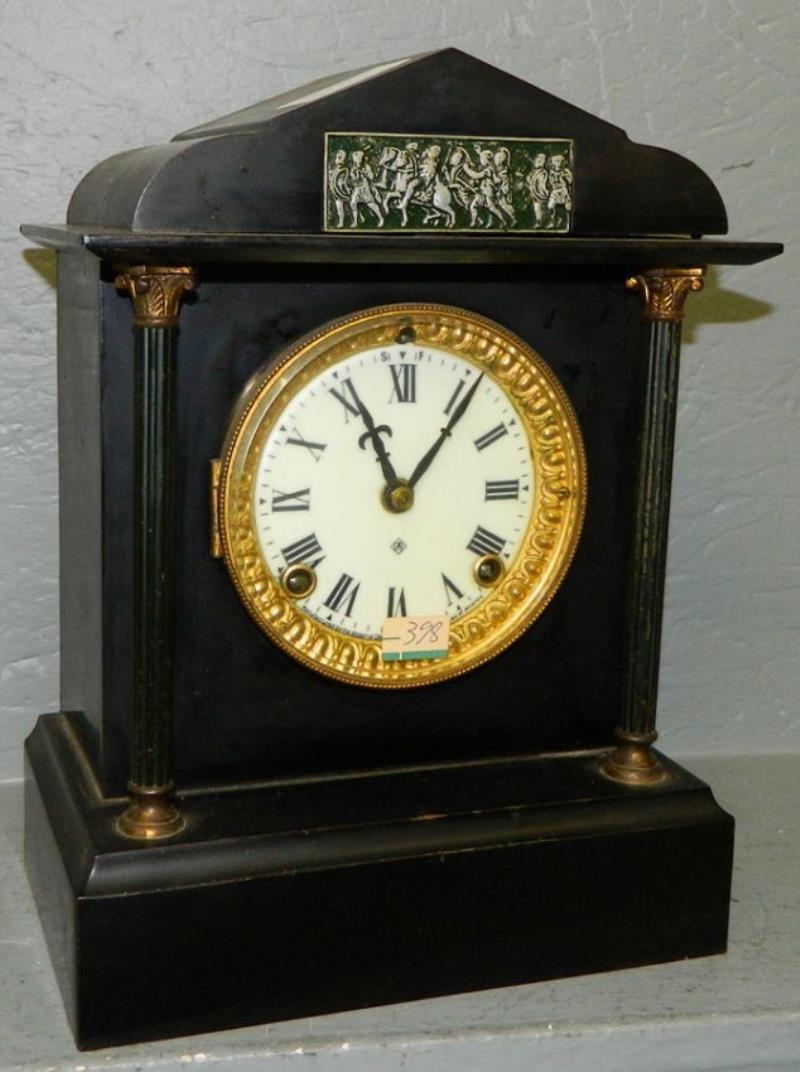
<point x="199" y="247"/>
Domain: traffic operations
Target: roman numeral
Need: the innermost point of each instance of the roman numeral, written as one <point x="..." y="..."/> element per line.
<point x="486" y="440"/>
<point x="450" y="588"/>
<point x="404" y="383"/>
<point x="484" y="542"/>
<point x="502" y="489"/>
<point x="397" y="604"/>
<point x="316" y="448"/>
<point x="303" y="551"/>
<point x="291" y="500"/>
<point x="343" y="594"/>
<point x="350" y="407"/>
<point x="454" y="396"/>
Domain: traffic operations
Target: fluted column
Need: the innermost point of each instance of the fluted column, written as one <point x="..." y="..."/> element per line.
<point x="156" y="294"/>
<point x="663" y="292"/>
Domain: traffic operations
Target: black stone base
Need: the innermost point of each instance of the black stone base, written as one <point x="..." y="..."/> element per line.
<point x="304" y="898"/>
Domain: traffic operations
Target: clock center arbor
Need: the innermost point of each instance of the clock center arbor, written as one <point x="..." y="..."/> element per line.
<point x="366" y="416"/>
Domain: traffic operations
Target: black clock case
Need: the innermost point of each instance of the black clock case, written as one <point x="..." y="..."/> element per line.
<point x="243" y="710"/>
<point x="384" y="846"/>
<point x="347" y="847"/>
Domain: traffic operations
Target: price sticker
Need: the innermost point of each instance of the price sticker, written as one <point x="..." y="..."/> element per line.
<point x="420" y="637"/>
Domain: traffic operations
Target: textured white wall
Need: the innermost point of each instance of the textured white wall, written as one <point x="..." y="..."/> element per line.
<point x="716" y="80"/>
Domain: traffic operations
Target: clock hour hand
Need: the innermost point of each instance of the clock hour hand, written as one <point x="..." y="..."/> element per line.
<point x="373" y="434"/>
<point x="424" y="463"/>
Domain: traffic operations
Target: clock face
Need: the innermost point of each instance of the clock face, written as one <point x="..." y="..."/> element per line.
<point x="414" y="462"/>
<point x="321" y="493"/>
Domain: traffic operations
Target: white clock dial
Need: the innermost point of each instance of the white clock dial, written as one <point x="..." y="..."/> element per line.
<point x="408" y="461"/>
<point x="321" y="480"/>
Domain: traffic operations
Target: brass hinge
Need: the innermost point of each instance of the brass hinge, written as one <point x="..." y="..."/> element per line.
<point x="216" y="539"/>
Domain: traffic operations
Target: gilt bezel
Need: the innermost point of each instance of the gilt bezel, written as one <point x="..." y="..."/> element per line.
<point x="544" y="554"/>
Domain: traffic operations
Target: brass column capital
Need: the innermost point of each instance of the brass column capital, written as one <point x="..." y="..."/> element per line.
<point x="156" y="293"/>
<point x="664" y="291"/>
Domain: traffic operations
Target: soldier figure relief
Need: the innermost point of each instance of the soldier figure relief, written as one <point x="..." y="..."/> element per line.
<point x="559" y="203"/>
<point x="539" y="188"/>
<point x="420" y="183"/>
<point x="362" y="186"/>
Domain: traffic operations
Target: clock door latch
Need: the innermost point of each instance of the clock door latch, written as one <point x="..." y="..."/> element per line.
<point x="216" y="539"/>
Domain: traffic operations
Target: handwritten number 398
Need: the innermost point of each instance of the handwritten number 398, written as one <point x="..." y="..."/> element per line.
<point x="420" y="632"/>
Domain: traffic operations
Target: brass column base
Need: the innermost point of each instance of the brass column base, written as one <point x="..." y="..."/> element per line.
<point x="150" y="814"/>
<point x="633" y="762"/>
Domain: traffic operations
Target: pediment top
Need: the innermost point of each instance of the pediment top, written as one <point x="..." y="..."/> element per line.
<point x="441" y="142"/>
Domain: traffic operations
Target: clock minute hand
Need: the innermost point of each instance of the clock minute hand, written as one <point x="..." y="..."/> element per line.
<point x="424" y="463"/>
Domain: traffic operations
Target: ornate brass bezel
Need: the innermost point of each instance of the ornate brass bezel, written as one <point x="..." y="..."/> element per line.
<point x="545" y="552"/>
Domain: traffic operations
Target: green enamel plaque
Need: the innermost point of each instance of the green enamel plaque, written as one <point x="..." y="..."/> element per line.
<point x="415" y="182"/>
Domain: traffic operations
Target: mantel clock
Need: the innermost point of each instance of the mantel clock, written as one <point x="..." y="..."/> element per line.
<point x="366" y="406"/>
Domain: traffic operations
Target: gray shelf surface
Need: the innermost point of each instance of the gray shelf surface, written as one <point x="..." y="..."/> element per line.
<point x="735" y="1013"/>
